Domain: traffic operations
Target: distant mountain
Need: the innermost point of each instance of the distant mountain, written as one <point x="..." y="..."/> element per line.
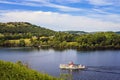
<point x="83" y="32"/>
<point x="24" y="27"/>
<point x="75" y="32"/>
<point x="118" y="32"/>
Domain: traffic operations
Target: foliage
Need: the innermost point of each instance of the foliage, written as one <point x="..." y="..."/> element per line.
<point x="100" y="40"/>
<point x="22" y="43"/>
<point x="23" y="34"/>
<point x="16" y="71"/>
<point x="16" y="30"/>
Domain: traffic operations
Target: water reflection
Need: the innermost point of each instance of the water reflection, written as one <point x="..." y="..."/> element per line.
<point x="47" y="60"/>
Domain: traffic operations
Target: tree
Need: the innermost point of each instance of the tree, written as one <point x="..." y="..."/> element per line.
<point x="22" y="43"/>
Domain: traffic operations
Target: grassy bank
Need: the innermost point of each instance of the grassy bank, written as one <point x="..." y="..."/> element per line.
<point x="15" y="71"/>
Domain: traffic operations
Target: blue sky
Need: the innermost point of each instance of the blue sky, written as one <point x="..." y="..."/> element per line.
<point x="61" y="15"/>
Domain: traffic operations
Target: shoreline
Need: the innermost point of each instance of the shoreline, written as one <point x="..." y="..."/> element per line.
<point x="62" y="49"/>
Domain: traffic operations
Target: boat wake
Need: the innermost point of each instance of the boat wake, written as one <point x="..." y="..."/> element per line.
<point x="104" y="69"/>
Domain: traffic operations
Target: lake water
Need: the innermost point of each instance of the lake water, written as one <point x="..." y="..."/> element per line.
<point x="102" y="65"/>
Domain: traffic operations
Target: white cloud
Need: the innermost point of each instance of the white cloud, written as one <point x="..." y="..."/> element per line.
<point x="44" y="3"/>
<point x="67" y="1"/>
<point x="99" y="2"/>
<point x="60" y="7"/>
<point x="104" y="2"/>
<point x="64" y="1"/>
<point x="57" y="21"/>
<point x="63" y="8"/>
<point x="108" y="18"/>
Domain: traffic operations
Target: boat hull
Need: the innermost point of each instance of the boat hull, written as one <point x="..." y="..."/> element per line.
<point x="74" y="67"/>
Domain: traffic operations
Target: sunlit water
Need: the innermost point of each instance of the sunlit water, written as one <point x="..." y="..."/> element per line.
<point x="101" y="65"/>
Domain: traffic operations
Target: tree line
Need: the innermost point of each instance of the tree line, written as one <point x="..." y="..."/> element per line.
<point x="12" y="35"/>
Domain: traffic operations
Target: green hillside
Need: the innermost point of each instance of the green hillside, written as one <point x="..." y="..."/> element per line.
<point x="23" y="34"/>
<point x="24" y="28"/>
<point x="15" y="71"/>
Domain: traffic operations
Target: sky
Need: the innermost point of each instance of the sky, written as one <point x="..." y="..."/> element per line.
<point x="64" y="15"/>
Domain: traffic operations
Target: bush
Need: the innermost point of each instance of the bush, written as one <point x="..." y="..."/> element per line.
<point x="14" y="71"/>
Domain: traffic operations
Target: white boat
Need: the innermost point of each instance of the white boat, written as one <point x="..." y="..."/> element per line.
<point x="71" y="66"/>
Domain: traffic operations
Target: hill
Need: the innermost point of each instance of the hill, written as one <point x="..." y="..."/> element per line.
<point x="75" y="32"/>
<point x="24" y="27"/>
<point x="118" y="32"/>
<point x="15" y="71"/>
<point x="23" y="34"/>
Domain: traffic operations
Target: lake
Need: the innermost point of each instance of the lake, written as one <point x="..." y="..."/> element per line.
<point x="101" y="65"/>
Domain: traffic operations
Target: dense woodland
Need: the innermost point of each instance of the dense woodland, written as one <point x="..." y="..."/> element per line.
<point x="23" y="34"/>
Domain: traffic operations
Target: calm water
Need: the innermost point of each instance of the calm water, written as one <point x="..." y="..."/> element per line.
<point x="102" y="65"/>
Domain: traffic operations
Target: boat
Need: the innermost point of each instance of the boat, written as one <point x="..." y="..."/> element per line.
<point x="71" y="65"/>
